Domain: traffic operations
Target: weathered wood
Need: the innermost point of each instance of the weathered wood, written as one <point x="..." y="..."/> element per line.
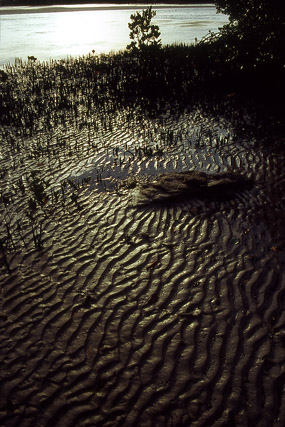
<point x="170" y="186"/>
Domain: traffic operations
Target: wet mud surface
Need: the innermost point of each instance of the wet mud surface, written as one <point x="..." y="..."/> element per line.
<point x="120" y="314"/>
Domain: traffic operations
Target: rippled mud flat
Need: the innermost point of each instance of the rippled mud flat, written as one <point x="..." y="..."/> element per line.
<point x="113" y="313"/>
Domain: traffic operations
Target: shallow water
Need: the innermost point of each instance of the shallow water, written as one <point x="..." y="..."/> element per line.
<point x="57" y="32"/>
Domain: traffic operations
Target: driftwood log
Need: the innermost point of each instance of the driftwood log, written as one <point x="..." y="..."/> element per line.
<point x="172" y="186"/>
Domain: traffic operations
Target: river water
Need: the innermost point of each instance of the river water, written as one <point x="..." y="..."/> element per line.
<point x="61" y="31"/>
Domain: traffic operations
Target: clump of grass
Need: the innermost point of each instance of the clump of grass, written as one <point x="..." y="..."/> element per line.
<point x="60" y="93"/>
<point x="69" y="91"/>
<point x="38" y="189"/>
<point x="37" y="231"/>
<point x="3" y="252"/>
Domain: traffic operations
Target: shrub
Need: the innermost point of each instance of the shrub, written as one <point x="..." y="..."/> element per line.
<point x="143" y="34"/>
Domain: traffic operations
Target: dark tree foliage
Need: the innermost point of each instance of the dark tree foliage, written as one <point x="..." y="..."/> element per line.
<point x="248" y="53"/>
<point x="249" y="10"/>
<point x="256" y="31"/>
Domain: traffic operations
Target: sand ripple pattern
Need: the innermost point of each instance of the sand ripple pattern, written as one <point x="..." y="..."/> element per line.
<point x="148" y="316"/>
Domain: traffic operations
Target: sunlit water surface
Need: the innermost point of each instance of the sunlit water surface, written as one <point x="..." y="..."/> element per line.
<point x="61" y="31"/>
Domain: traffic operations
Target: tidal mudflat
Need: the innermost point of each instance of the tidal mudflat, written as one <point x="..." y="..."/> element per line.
<point x="120" y="313"/>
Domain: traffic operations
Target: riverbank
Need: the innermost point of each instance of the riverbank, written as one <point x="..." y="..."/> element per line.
<point x="116" y="313"/>
<point x="20" y="8"/>
<point x="76" y="30"/>
<point x="47" y="3"/>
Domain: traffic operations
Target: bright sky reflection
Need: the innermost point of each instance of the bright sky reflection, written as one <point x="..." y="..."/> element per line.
<point x="61" y="31"/>
<point x="93" y="30"/>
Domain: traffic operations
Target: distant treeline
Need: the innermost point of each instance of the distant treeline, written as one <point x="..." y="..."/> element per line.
<point x="62" y="2"/>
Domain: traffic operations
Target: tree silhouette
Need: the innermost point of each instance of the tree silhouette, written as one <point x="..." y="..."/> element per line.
<point x="256" y="31"/>
<point x="142" y="33"/>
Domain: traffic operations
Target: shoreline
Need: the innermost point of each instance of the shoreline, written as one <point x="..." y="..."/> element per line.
<point x="14" y="10"/>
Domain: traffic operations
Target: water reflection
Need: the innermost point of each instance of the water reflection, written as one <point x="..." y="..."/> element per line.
<point x="57" y="34"/>
<point x="77" y="33"/>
